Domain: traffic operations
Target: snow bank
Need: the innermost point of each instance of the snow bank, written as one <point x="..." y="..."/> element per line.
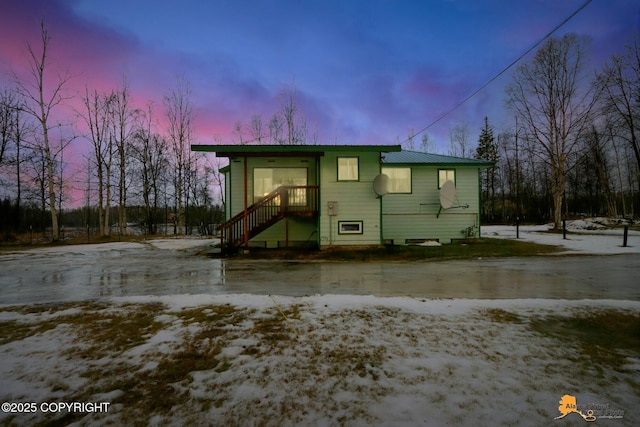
<point x="589" y="236"/>
<point x="351" y="361"/>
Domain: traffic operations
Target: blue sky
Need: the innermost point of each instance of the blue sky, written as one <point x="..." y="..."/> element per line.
<point x="365" y="71"/>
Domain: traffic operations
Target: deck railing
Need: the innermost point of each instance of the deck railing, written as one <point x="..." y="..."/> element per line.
<point x="282" y="202"/>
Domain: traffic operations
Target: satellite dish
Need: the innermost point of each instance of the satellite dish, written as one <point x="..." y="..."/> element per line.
<point x="447" y="194"/>
<point x="381" y="185"/>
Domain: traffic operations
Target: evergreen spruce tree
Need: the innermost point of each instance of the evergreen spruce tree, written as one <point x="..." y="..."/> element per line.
<point x="487" y="150"/>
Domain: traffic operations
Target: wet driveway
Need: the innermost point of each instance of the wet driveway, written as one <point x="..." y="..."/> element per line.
<point x="97" y="271"/>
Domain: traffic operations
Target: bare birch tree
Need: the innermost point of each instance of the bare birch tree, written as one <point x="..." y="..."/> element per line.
<point x="180" y="118"/>
<point x="288" y="126"/>
<point x="123" y="118"/>
<point x="97" y="117"/>
<point x="42" y="99"/>
<point x="550" y="96"/>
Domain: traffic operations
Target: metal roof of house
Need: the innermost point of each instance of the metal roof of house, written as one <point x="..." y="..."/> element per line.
<point x="418" y="158"/>
<point x="288" y="150"/>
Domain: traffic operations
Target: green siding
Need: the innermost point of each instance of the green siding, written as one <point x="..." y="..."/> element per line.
<point x="396" y="217"/>
<point x="227" y="196"/>
<point x="415" y="215"/>
<point x="236" y="198"/>
<point x="356" y="200"/>
<point x="301" y="231"/>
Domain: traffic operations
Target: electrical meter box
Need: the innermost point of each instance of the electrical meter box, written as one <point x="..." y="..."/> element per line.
<point x="332" y="208"/>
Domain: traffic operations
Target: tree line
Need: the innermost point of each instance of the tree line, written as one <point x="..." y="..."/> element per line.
<point x="136" y="171"/>
<point x="573" y="148"/>
<point x="134" y="174"/>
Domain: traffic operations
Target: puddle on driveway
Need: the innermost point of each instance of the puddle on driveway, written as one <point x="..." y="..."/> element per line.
<point x="45" y="276"/>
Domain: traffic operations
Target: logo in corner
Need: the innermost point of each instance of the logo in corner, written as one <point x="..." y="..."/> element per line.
<point x="569" y="404"/>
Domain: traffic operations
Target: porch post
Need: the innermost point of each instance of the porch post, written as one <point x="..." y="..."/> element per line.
<point x="245" y="219"/>
<point x="286" y="232"/>
<point x="284" y="207"/>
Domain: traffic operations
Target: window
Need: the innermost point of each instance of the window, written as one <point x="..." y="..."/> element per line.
<point x="348" y="169"/>
<point x="265" y="180"/>
<point x="399" y="179"/>
<point x="446" y="175"/>
<point x="349" y="227"/>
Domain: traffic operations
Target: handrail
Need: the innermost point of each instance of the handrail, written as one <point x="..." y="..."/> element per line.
<point x="281" y="202"/>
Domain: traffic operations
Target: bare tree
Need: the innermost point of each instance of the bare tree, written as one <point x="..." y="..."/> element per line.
<point x="600" y="164"/>
<point x="8" y="107"/>
<point x="180" y="117"/>
<point x="410" y="142"/>
<point x="255" y="129"/>
<point x="218" y="178"/>
<point x="426" y="143"/>
<point x="290" y="115"/>
<point x="238" y="129"/>
<point x="63" y="186"/>
<point x="97" y="116"/>
<point x="213" y="166"/>
<point x="620" y="86"/>
<point x="12" y="131"/>
<point x="288" y="126"/>
<point x="150" y="150"/>
<point x="549" y="95"/>
<point x="41" y="102"/>
<point x="459" y="140"/>
<point x="275" y="130"/>
<point x="124" y="115"/>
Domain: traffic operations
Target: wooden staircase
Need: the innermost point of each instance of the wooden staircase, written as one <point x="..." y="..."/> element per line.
<point x="285" y="201"/>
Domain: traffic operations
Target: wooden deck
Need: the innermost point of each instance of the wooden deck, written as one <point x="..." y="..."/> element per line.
<point x="285" y="201"/>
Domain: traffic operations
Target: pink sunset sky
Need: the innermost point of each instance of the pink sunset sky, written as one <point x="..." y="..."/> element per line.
<point x="366" y="72"/>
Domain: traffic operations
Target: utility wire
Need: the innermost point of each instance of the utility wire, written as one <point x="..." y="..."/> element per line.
<point x="504" y="70"/>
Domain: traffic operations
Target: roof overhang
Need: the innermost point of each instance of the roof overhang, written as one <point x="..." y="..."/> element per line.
<point x="289" y="150"/>
<point x="415" y="158"/>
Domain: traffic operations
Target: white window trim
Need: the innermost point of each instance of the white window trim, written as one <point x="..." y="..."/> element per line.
<point x="359" y="224"/>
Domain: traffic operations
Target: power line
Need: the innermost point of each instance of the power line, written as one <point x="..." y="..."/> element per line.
<point x="504" y="70"/>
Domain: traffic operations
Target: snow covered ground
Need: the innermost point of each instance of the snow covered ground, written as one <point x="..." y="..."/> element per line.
<point x="251" y="360"/>
<point x="585" y="237"/>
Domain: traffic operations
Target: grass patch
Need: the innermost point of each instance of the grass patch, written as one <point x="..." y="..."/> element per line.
<point x="272" y="328"/>
<point x="108" y="332"/>
<point x="14" y="330"/>
<point x="44" y="308"/>
<point x="194" y="356"/>
<point x="217" y="315"/>
<point x="25" y="241"/>
<point x="345" y="359"/>
<point x="502" y="316"/>
<point x="458" y="249"/>
<point x="160" y="389"/>
<point x="607" y="337"/>
<point x="214" y="320"/>
<point x="17" y="330"/>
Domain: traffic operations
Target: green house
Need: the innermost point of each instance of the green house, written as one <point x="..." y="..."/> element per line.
<point x="338" y="195"/>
